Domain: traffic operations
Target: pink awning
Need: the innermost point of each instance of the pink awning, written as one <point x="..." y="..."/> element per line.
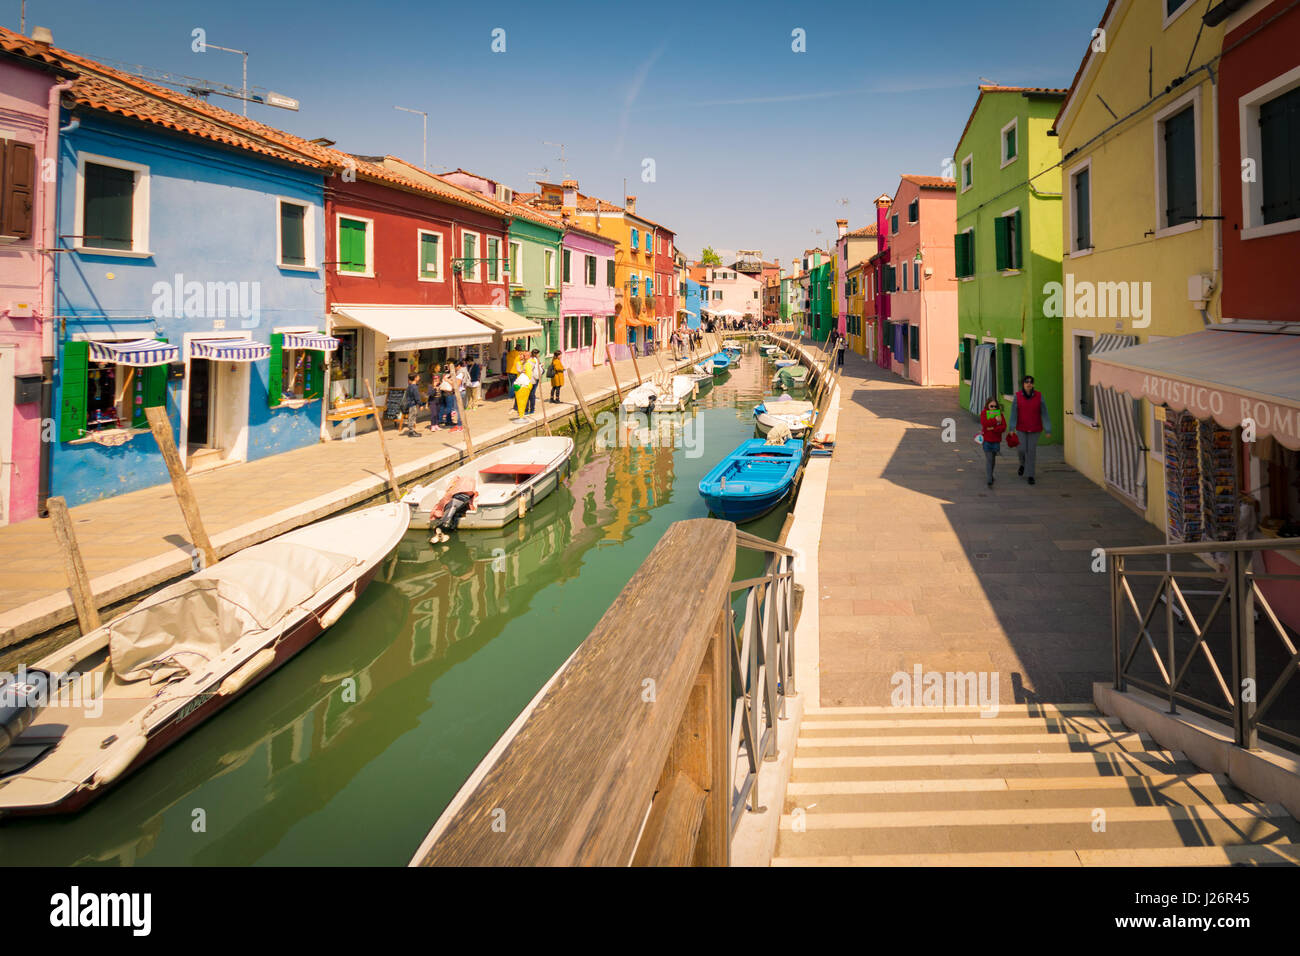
<point x="1223" y="374"/>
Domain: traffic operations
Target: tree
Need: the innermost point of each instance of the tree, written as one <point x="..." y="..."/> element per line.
<point x="709" y="258"/>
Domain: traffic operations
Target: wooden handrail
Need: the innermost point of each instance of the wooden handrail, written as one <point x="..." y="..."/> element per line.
<point x="1207" y="547"/>
<point x="636" y="720"/>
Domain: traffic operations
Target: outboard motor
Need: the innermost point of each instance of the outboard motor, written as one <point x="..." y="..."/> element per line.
<point x="22" y="696"/>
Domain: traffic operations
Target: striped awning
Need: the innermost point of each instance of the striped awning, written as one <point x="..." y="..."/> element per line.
<point x="310" y="340"/>
<point x="142" y="353"/>
<point x="1124" y="461"/>
<point x="229" y="350"/>
<point x="981" y="375"/>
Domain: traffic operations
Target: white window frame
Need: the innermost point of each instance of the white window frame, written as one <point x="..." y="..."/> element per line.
<point x="1017" y="373"/>
<point x="477" y="257"/>
<point x="1167" y="19"/>
<point x="139" y="207"/>
<point x="487" y="249"/>
<point x="419" y="252"/>
<point x="1157" y="132"/>
<point x="1076" y="334"/>
<point x="1074" y="170"/>
<point x="1021" y="265"/>
<point x="968" y="163"/>
<point x="515" y="251"/>
<point x="308" y="235"/>
<point x="548" y="262"/>
<point x="1252" y="225"/>
<point x="370" y="245"/>
<point x="1002" y="142"/>
<point x="588" y="257"/>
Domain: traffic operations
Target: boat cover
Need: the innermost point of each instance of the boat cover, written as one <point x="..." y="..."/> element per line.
<point x="193" y="621"/>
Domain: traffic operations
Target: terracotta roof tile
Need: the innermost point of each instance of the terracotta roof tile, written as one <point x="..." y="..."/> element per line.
<point x="929" y="182"/>
<point x="866" y="232"/>
<point x="988" y="88"/>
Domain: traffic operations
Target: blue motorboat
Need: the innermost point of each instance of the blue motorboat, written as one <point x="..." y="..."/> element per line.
<point x="721" y="361"/>
<point x="752" y="480"/>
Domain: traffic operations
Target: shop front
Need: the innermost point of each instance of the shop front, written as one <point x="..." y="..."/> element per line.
<point x="509" y="330"/>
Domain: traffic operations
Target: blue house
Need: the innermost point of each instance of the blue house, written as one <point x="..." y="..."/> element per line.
<point x="692" y="301"/>
<point x="194" y="280"/>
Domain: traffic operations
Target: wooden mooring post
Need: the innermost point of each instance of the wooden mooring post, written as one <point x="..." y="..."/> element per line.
<point x="618" y="391"/>
<point x="464" y="424"/>
<point x="162" y="434"/>
<point x="83" y="600"/>
<point x="383" y="445"/>
<point x="582" y="403"/>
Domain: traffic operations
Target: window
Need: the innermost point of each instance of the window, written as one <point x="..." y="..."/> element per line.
<point x="494" y="259"/>
<point x="99" y="396"/>
<point x="469" y="245"/>
<point x="660" y="244"/>
<point x="430" y="262"/>
<point x="589" y="271"/>
<point x="609" y="273"/>
<point x="893" y="224"/>
<point x="967" y="173"/>
<point x="1081" y="209"/>
<point x="17" y="188"/>
<point x="1178" y="165"/>
<point x="964" y="253"/>
<point x="293" y="238"/>
<point x="548" y="260"/>
<point x="568" y="268"/>
<point x="113" y="205"/>
<point x="294" y="374"/>
<point x="1010" y="366"/>
<point x="516" y="262"/>
<point x="649" y="286"/>
<point x="914" y="343"/>
<point x="1174" y="9"/>
<point x="636" y="239"/>
<point x="345" y="374"/>
<point x="967" y="356"/>
<point x="1083" y="377"/>
<point x="1006" y="238"/>
<point x="1270" y="125"/>
<point x="905" y="271"/>
<point x="914" y="211"/>
<point x="916" y="275"/>
<point x="1009" y="146"/>
<point x="354" y="238"/>
<point x="635" y="285"/>
<point x="588" y="331"/>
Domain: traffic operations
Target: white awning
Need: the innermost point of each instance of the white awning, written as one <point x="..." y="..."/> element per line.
<point x="310" y="340"/>
<point x="409" y="328"/>
<point x="503" y="320"/>
<point x="229" y="350"/>
<point x="141" y="353"/>
<point x="1223" y="374"/>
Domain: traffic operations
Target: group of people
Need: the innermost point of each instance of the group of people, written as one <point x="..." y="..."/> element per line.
<point x="1029" y="422"/>
<point x="524" y="371"/>
<point x="447" y="382"/>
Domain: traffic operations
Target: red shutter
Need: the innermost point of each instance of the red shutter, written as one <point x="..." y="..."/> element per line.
<point x="19" y="189"/>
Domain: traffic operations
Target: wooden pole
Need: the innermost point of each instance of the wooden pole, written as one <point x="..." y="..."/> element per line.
<point x="635" y="365"/>
<point x="577" y="391"/>
<point x="383" y="445"/>
<point x="541" y="401"/>
<point x="83" y="600"/>
<point x="162" y="434"/>
<point x="464" y="424"/>
<point x="614" y="372"/>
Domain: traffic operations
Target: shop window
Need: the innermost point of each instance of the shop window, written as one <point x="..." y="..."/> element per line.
<point x="293" y="374"/>
<point x="101" y="396"/>
<point x="345" y="381"/>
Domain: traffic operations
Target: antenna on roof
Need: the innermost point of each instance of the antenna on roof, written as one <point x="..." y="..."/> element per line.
<point x="564" y="163"/>
<point x="987" y="82"/>
<point x="198" y="87"/>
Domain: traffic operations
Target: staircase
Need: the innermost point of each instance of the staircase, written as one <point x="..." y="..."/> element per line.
<point x="1037" y="784"/>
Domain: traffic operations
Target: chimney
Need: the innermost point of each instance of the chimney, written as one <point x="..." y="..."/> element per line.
<point x="43" y="36"/>
<point x="882" y="222"/>
<point x="569" y="204"/>
<point x="630" y="203"/>
<point x="842" y="227"/>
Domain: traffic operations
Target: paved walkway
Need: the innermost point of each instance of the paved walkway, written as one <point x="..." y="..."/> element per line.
<point x="921" y="563"/>
<point x="138" y="540"/>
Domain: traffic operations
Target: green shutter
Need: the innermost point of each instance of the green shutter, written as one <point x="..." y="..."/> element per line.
<point x="275" y="372"/>
<point x="566" y="266"/>
<point x="1180" y="168"/>
<point x="609" y="273"/>
<point x="588" y="332"/>
<point x="73" y="379"/>
<point x="1004" y="369"/>
<point x="1000" y="242"/>
<point x="151" y="389"/>
<point x="314" y="375"/>
<point x="1018" y="246"/>
<point x="1279" y="137"/>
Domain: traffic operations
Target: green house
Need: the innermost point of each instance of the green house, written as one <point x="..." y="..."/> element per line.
<point x="1008" y="247"/>
<point x="537" y="267"/>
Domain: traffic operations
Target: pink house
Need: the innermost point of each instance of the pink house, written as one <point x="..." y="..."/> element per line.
<point x="587" y="299"/>
<point x="923" y="293"/>
<point x="29" y="110"/>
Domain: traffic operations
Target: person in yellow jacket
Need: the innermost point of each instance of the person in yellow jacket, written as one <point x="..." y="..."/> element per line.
<point x="557" y="377"/>
<point x="523" y="386"/>
<point x="514" y="362"/>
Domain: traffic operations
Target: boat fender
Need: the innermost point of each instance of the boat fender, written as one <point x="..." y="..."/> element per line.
<point x="250" y="669"/>
<point x="331" y="617"/>
<point x="523" y="506"/>
<point x="124" y="755"/>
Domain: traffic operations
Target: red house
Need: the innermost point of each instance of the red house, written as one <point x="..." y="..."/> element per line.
<point x="665" y="284"/>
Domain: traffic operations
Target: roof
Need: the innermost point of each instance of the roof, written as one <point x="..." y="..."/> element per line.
<point x="866" y="232"/>
<point x="929" y="182"/>
<point x="1083" y="64"/>
<point x="19" y="45"/>
<point x="1023" y="90"/>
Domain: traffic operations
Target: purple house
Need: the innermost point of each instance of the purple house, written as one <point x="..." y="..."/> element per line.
<point x="586" y="298"/>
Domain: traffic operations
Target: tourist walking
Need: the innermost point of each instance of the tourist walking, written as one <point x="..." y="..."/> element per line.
<point x="475" y="383"/>
<point x="435" y="398"/>
<point x="993" y="425"/>
<point x="557" y="377"/>
<point x="447" y="391"/>
<point x="1029" y="420"/>
<point x="411" y="402"/>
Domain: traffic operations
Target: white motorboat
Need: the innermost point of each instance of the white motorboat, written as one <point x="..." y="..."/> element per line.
<point x="785" y="362"/>
<point x="732" y="345"/>
<point x="662" y="393"/>
<point x="767" y="348"/>
<point x="93" y="712"/>
<point x="796" y="414"/>
<point x="506" y="482"/>
<point x="701" y="376"/>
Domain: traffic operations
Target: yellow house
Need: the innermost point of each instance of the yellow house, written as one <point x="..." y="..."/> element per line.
<point x="855" y="288"/>
<point x="1140" y="181"/>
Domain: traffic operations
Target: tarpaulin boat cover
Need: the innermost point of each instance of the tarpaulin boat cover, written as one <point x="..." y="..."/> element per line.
<point x="193" y="621"/>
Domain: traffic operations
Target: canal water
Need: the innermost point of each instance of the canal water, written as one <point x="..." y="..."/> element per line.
<point x="444" y="650"/>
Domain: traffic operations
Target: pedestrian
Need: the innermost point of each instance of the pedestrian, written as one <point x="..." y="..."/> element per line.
<point x="533" y="368"/>
<point x="411" y="401"/>
<point x="475" y="383"/>
<point x="557" y="377"/>
<point x="447" y="390"/>
<point x="435" y="398"/>
<point x="841" y="346"/>
<point x="993" y="424"/>
<point x="1029" y="420"/>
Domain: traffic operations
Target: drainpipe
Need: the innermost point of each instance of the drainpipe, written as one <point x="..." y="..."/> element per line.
<point x="49" y="234"/>
<point x="1217" y="271"/>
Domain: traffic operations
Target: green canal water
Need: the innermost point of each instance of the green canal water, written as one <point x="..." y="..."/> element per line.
<point x="445" y="648"/>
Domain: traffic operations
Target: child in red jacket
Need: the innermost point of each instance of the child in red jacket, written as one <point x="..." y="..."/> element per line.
<point x="993" y="424"/>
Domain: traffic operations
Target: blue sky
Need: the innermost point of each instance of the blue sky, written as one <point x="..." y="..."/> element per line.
<point x="754" y="146"/>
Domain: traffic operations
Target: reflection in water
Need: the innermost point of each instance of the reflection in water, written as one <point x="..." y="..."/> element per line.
<point x="349" y="753"/>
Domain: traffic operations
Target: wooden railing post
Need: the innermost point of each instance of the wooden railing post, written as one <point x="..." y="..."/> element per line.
<point x="1243" y="653"/>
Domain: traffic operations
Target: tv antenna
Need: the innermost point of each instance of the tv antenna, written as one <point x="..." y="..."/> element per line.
<point x="564" y="163"/>
<point x="424" y="150"/>
<point x="201" y="88"/>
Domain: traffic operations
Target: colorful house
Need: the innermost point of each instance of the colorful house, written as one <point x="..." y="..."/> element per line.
<point x="851" y="248"/>
<point x="855" y="295"/>
<point x="922" y="285"/>
<point x="1008" y="246"/>
<point x="588" y="297"/>
<point x="1140" y="236"/>
<point x="31" y="80"/>
<point x="876" y="305"/>
<point x="665" y="287"/>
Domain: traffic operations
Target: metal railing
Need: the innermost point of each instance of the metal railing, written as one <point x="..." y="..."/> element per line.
<point x="762" y="666"/>
<point x="1214" y="596"/>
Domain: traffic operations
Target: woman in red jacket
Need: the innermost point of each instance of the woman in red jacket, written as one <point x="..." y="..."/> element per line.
<point x="993" y="424"/>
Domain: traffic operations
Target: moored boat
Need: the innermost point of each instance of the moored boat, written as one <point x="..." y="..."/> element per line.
<point x="113" y="700"/>
<point x="752" y="480"/>
<point x="785" y="362"/>
<point x="662" y="393"/>
<point x="790" y="376"/>
<point x="731" y="345"/>
<point x="721" y="361"/>
<point x="795" y="414"/>
<point x="505" y="481"/>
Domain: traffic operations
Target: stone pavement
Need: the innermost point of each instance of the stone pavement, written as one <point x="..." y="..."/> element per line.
<point x="139" y="540"/>
<point x="921" y="563"/>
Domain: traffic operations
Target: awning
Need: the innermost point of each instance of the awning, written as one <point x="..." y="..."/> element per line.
<point x="141" y="353"/>
<point x="310" y="340"/>
<point x="411" y="328"/>
<point x="503" y="320"/>
<point x="636" y="320"/>
<point x="229" y="350"/>
<point x="1224" y="374"/>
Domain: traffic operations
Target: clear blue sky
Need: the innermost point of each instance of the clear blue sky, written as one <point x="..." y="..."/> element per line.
<point x="754" y="145"/>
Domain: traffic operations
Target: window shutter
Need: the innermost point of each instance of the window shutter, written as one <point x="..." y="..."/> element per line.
<point x="275" y="372"/>
<point x="314" y="375"/>
<point x="1004" y="369"/>
<point x="19" y="185"/>
<point x="1000" y="241"/>
<point x="1180" y="168"/>
<point x="609" y="273"/>
<point x="1017" y="260"/>
<point x="152" y="390"/>
<point x="1279" y="134"/>
<point x="73" y="379"/>
<point x="1082" y="212"/>
<point x="959" y="253"/>
<point x="588" y="331"/>
<point x="566" y="266"/>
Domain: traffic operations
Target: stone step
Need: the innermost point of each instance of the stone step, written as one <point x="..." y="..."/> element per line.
<point x="924" y="713"/>
<point x="999" y="764"/>
<point x="1272" y="854"/>
<point x="973" y="743"/>
<point x="974" y="725"/>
